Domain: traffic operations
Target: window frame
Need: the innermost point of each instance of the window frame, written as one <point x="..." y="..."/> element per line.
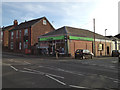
<point x="44" y="22"/>
<point x="12" y="34"/>
<point x="11" y="45"/>
<point x="26" y="34"/>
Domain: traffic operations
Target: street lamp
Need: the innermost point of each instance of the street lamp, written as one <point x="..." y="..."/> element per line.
<point x="105" y="41"/>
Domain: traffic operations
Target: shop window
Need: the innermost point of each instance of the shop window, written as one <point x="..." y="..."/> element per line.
<point x="11" y="45"/>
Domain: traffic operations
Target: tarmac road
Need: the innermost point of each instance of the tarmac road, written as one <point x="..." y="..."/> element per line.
<point x="25" y="72"/>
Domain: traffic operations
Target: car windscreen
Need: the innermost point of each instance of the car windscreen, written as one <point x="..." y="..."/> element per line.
<point x="79" y="50"/>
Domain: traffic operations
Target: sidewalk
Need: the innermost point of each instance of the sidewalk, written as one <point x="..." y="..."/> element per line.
<point x="34" y="56"/>
<point x="46" y="57"/>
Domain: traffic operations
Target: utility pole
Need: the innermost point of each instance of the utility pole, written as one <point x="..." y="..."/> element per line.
<point x="105" y="42"/>
<point x="94" y="38"/>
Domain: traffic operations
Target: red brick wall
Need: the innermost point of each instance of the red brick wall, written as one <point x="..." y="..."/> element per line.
<point x="103" y="51"/>
<point x="39" y="29"/>
<point x="77" y="44"/>
<point x="6" y="37"/>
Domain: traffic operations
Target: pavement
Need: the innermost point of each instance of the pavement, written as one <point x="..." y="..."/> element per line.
<point x="50" y="57"/>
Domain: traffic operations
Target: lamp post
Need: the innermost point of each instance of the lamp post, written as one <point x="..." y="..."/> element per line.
<point x="105" y="41"/>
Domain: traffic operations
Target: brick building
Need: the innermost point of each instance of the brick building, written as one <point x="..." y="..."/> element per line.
<point x="71" y="39"/>
<point x="25" y="35"/>
<point x="5" y="34"/>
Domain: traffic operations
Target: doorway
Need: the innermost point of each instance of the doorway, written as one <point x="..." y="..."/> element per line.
<point x="107" y="50"/>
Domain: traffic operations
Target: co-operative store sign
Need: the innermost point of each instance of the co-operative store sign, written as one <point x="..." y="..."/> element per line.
<point x="51" y="38"/>
<point x="63" y="37"/>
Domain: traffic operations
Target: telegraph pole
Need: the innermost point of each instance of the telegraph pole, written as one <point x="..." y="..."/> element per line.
<point x="105" y="42"/>
<point x="94" y="38"/>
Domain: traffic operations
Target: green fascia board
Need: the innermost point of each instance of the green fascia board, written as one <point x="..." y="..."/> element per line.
<point x="51" y="38"/>
<point x="80" y="38"/>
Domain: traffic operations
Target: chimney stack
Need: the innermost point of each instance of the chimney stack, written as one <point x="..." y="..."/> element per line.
<point x="15" y="22"/>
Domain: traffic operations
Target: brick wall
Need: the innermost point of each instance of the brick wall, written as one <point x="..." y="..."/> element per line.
<point x="39" y="29"/>
<point x="6" y="37"/>
<point x="108" y="44"/>
<point x="77" y="44"/>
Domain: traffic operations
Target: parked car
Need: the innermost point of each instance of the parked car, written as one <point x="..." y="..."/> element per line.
<point x="115" y="53"/>
<point x="83" y="54"/>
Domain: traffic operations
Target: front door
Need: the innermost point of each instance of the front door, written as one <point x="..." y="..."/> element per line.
<point x="107" y="50"/>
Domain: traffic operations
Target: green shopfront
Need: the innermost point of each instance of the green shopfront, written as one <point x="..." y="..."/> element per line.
<point x="61" y="42"/>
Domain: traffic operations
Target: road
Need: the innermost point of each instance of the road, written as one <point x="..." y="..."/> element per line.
<point x="27" y="72"/>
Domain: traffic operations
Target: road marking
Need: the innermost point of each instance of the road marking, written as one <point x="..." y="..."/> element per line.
<point x="115" y="80"/>
<point x="44" y="73"/>
<point x="14" y="68"/>
<point x="56" y="79"/>
<point x="30" y="72"/>
<point x="76" y="86"/>
<point x="27" y="62"/>
<point x="59" y="69"/>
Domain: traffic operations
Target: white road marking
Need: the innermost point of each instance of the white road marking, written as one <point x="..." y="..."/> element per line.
<point x="115" y="80"/>
<point x="44" y="73"/>
<point x="27" y="62"/>
<point x="59" y="69"/>
<point x="56" y="80"/>
<point x="30" y="72"/>
<point x="14" y="68"/>
<point x="76" y="86"/>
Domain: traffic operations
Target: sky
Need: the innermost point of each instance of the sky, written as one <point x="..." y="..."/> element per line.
<point x="60" y="13"/>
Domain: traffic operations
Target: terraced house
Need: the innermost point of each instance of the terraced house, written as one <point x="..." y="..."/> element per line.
<point x="24" y="37"/>
<point x="5" y="34"/>
<point x="71" y="39"/>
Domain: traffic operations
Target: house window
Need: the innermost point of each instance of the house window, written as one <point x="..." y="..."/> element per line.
<point x="12" y="33"/>
<point x="20" y="45"/>
<point x="26" y="32"/>
<point x="20" y="33"/>
<point x="100" y="47"/>
<point x="25" y="45"/>
<point x="44" y="22"/>
<point x="11" y="45"/>
<point x="17" y="34"/>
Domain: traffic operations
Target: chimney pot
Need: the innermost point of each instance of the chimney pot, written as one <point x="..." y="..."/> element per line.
<point x="15" y="22"/>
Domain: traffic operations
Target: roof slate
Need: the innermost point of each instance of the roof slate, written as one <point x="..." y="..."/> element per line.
<point x="26" y="24"/>
<point x="7" y="27"/>
<point x="66" y="30"/>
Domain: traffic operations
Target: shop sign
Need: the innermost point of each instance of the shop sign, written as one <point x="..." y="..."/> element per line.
<point x="80" y="38"/>
<point x="51" y="38"/>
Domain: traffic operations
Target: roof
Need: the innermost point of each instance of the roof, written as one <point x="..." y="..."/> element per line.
<point x="118" y="36"/>
<point x="71" y="31"/>
<point x="112" y="37"/>
<point x="7" y="27"/>
<point x="26" y="24"/>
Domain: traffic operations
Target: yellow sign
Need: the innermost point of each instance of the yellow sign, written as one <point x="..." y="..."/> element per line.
<point x="100" y="47"/>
